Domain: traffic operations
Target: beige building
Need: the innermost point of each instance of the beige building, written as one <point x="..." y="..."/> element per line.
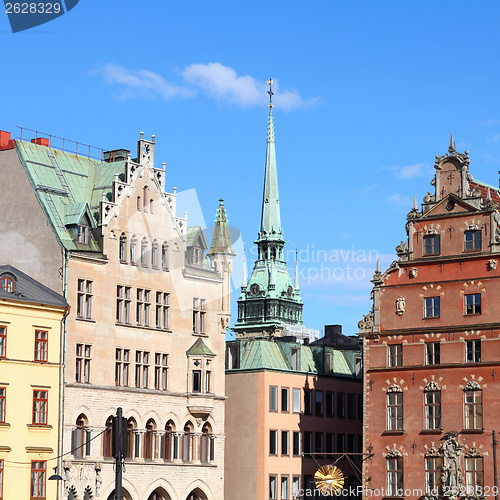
<point x="30" y="381"/>
<point x="148" y="316"/>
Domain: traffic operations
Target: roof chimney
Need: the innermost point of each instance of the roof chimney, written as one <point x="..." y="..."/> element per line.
<point x="5" y="141"/>
<point x="41" y="141"/>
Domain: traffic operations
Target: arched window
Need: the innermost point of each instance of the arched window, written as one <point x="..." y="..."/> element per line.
<point x="207" y="444"/>
<point x="107" y="440"/>
<point x="6" y="284"/>
<point x="145" y="198"/>
<point x="144" y="252"/>
<point x="149" y="440"/>
<point x="394" y="474"/>
<point x="169" y="442"/>
<point x="164" y="256"/>
<point x="138" y="203"/>
<point x="187" y="443"/>
<point x="154" y="254"/>
<point x="81" y="438"/>
<point x="131" y="439"/>
<point x="133" y="250"/>
<point x="123" y="248"/>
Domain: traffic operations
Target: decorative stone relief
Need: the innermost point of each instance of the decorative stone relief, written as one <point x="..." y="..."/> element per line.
<point x="413" y="272"/>
<point x="394" y="388"/>
<point x="431" y="231"/>
<point x="451" y="475"/>
<point x="431" y="387"/>
<point x="400" y="305"/>
<point x="366" y="324"/>
<point x="472" y="386"/>
<point x="492" y="264"/>
<point x="394" y="454"/>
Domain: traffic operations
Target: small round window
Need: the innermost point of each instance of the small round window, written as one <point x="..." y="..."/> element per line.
<point x="450" y="205"/>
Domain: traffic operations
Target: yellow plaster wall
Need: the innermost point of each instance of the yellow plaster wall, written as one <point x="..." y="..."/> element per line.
<point x="20" y="375"/>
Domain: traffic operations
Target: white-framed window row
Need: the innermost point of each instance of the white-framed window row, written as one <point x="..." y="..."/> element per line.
<point x="149" y="254"/>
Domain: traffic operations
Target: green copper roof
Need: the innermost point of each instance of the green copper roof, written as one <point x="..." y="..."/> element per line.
<point x="263" y="354"/>
<point x="270" y="226"/>
<point x="221" y="240"/>
<point x="199" y="348"/>
<point x="68" y="186"/>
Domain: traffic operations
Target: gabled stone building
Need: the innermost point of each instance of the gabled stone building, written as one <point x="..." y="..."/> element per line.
<point x="148" y="316"/>
<point x="432" y="346"/>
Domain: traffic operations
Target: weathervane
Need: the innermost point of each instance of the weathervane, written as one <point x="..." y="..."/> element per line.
<point x="271" y="93"/>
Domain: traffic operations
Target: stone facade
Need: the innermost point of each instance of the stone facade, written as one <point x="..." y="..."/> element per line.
<point x="147" y="325"/>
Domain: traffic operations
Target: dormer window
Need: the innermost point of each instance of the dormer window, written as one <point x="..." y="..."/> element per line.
<point x="7" y="284"/>
<point x="196" y="256"/>
<point x="82" y="234"/>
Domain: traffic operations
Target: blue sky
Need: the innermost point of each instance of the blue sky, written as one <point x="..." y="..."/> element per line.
<point x="367" y="93"/>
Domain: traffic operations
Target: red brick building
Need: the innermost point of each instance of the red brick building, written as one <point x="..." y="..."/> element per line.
<point x="432" y="346"/>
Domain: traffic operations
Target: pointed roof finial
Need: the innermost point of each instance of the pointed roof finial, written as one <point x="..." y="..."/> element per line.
<point x="377" y="269"/>
<point x="488" y="194"/>
<point x="271" y="93"/>
<point x="296" y="281"/>
<point x="221" y="240"/>
<point x="452" y="148"/>
<point x="244" y="277"/>
<point x="415" y="206"/>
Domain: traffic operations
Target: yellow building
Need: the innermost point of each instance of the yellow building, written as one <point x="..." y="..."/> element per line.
<point x="30" y="380"/>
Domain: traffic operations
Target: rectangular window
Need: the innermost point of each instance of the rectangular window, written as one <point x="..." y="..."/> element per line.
<point x="309" y="487"/>
<point x="41" y="345"/>
<point x="284" y="487"/>
<point x="318" y="407"/>
<point x="161" y="368"/>
<point x="473" y="303"/>
<point x="340" y="405"/>
<point x="285" y="399"/>
<point x="119" y="303"/>
<point x="1" y="478"/>
<point x="208" y="381"/>
<point x="330" y="444"/>
<point x="360" y="406"/>
<point x="199" y="311"/>
<point x="307" y="402"/>
<point x="296" y="443"/>
<point x="40" y="407"/>
<point x="83" y="359"/>
<point x="473" y="410"/>
<point x="147" y="308"/>
<point x="351" y="405"/>
<point x="431" y="307"/>
<point x="118" y="366"/>
<point x="126" y="367"/>
<point x="38" y="476"/>
<point x="432" y="409"/>
<point x="432" y="244"/>
<point x="351" y="443"/>
<point x="395" y="477"/>
<point x="473" y="351"/>
<point x="340" y="443"/>
<point x="3" y="341"/>
<point x="84" y="299"/>
<point x="82" y="235"/>
<point x="3" y="405"/>
<point x="296" y="400"/>
<point x="273" y="398"/>
<point x="330" y="404"/>
<point x="395" y="411"/>
<point x="295" y="486"/>
<point x="273" y="442"/>
<point x="433" y="468"/>
<point x="285" y="442"/>
<point x="395" y="354"/>
<point x="127" y="305"/>
<point x="474" y="476"/>
<point x="318" y="444"/>
<point x="196" y="380"/>
<point x="308" y="442"/>
<point x="295" y="358"/>
<point x="139" y="308"/>
<point x="472" y="240"/>
<point x="273" y="487"/>
<point x="142" y="369"/>
<point x="432" y="353"/>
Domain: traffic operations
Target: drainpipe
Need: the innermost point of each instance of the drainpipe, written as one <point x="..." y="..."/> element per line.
<point x="495" y="465"/>
<point x="62" y="374"/>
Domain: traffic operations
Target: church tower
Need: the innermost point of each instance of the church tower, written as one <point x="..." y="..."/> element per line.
<point x="269" y="299"/>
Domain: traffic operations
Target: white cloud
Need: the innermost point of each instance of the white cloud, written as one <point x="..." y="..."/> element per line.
<point x="490" y="122"/>
<point x="400" y="201"/>
<point x="213" y="79"/>
<point x="410" y="171"/>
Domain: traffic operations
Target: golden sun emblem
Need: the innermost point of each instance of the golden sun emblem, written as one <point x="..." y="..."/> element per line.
<point x="329" y="480"/>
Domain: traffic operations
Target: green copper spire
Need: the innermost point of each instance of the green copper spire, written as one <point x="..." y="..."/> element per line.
<point x="221" y="240"/>
<point x="270" y="226"/>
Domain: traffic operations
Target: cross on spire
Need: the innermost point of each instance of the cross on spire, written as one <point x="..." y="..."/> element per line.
<point x="271" y="93"/>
